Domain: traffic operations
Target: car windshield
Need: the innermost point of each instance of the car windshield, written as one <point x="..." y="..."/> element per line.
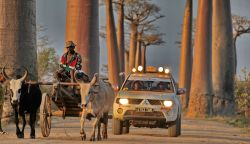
<point x="147" y="85"/>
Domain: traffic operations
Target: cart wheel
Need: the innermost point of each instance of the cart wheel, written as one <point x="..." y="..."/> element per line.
<point x="45" y="115"/>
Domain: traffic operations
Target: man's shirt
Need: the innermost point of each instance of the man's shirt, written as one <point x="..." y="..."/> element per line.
<point x="71" y="63"/>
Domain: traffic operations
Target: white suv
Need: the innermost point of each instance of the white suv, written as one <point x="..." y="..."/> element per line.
<point x="148" y="99"/>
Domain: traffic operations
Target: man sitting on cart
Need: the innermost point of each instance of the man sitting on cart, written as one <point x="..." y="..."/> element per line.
<point x="70" y="61"/>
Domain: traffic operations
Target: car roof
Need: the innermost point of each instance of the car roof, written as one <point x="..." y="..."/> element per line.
<point x="149" y="76"/>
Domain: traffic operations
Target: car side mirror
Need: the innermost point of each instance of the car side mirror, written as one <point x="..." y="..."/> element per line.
<point x="181" y="91"/>
<point x="116" y="88"/>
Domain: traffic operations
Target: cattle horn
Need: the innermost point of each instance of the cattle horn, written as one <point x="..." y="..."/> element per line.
<point x="25" y="74"/>
<point x="94" y="79"/>
<point x="4" y="74"/>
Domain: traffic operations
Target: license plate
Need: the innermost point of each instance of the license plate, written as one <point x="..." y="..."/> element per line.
<point x="141" y="109"/>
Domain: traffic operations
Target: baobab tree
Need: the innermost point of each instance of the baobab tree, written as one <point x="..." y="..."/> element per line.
<point x="113" y="58"/>
<point x="120" y="33"/>
<point x="223" y="59"/>
<point x="82" y="27"/>
<point x="186" y="53"/>
<point x="18" y="39"/>
<point x="139" y="13"/>
<point x="200" y="102"/>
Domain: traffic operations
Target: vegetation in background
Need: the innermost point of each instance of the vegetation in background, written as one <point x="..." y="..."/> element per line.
<point x="47" y="59"/>
<point x="242" y="93"/>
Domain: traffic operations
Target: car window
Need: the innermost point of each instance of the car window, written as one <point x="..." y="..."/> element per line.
<point x="142" y="85"/>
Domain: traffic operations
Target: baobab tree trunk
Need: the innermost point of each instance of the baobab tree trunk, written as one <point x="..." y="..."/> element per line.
<point x="143" y="56"/>
<point x="200" y="103"/>
<point x="138" y="54"/>
<point x="18" y="39"/>
<point x="127" y="70"/>
<point x="133" y="42"/>
<point x="223" y="59"/>
<point x="120" y="34"/>
<point x="186" y="54"/>
<point x="113" y="58"/>
<point x="82" y="27"/>
<point x="235" y="53"/>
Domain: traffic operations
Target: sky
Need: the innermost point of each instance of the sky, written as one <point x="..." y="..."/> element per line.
<point x="52" y="14"/>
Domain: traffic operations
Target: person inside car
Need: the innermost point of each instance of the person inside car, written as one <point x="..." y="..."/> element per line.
<point x="136" y="86"/>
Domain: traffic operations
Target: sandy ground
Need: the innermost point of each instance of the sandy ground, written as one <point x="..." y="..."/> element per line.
<point x="193" y="132"/>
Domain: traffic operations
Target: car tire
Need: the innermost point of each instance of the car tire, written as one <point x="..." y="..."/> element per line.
<point x="175" y="129"/>
<point x="125" y="129"/>
<point x="179" y="127"/>
<point x="116" y="127"/>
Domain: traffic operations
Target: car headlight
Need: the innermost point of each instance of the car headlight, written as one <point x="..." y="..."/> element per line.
<point x="168" y="103"/>
<point x="140" y="68"/>
<point x="123" y="101"/>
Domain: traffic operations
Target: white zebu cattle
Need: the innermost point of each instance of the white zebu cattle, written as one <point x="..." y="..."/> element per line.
<point x="96" y="98"/>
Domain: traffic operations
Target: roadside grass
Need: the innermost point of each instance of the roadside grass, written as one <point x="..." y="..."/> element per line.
<point x="238" y="121"/>
<point x="241" y="122"/>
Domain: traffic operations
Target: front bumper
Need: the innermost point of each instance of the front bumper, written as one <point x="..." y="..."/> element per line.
<point x="157" y="112"/>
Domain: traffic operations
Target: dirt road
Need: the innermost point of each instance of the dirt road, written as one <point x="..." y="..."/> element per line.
<point x="193" y="132"/>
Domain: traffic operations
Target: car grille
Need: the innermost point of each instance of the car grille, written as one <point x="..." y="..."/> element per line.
<point x="155" y="102"/>
<point x="133" y="112"/>
<point x="135" y="101"/>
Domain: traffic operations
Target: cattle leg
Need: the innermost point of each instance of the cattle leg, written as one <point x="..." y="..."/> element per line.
<point x="24" y="124"/>
<point x="32" y="125"/>
<point x="105" y="126"/>
<point x="18" y="132"/>
<point x="1" y="130"/>
<point x="99" y="131"/>
<point x="82" y="121"/>
<point x="92" y="138"/>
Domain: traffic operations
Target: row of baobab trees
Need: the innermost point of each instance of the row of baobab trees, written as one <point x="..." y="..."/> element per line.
<point x="208" y="70"/>
<point x="212" y="67"/>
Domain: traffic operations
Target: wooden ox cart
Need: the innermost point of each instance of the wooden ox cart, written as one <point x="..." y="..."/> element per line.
<point x="66" y="104"/>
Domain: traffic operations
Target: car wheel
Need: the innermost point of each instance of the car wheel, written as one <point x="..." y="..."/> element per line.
<point x="125" y="128"/>
<point x="179" y="127"/>
<point x="175" y="129"/>
<point x="116" y="127"/>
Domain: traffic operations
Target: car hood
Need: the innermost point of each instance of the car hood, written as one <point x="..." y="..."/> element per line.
<point x="145" y="95"/>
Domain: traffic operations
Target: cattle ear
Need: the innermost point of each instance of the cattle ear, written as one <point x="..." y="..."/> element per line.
<point x="94" y="79"/>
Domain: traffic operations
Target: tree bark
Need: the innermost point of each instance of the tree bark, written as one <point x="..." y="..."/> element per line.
<point x="223" y="59"/>
<point x="235" y="53"/>
<point x="18" y="39"/>
<point x="120" y="34"/>
<point x="113" y="58"/>
<point x="133" y="42"/>
<point x="138" y="54"/>
<point x="143" y="56"/>
<point x="186" y="54"/>
<point x="127" y="70"/>
<point x="200" y="103"/>
<point x="82" y="27"/>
